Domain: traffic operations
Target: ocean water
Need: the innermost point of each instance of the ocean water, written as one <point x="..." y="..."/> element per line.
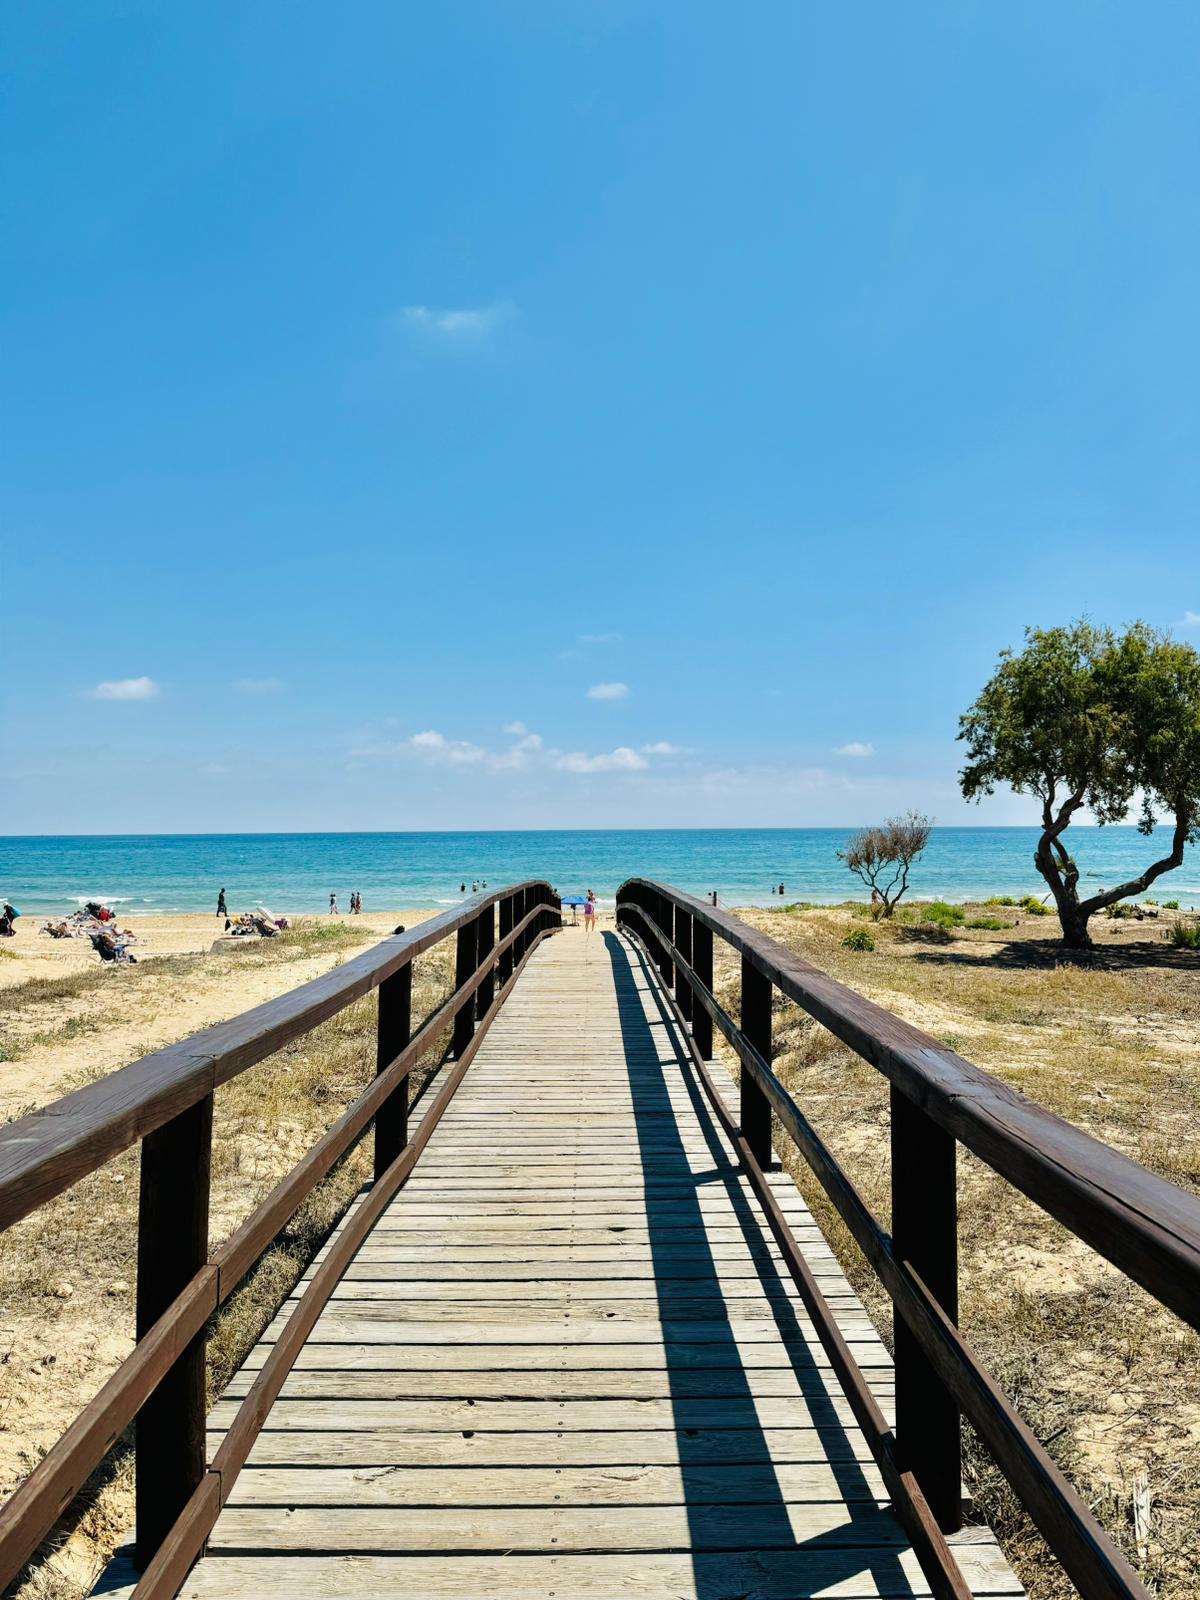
<point x="298" y="872"/>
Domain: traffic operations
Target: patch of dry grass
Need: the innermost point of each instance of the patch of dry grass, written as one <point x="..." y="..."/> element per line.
<point x="67" y="1272"/>
<point x="1107" y="1379"/>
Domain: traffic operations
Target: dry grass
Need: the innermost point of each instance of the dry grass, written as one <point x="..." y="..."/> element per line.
<point x="1107" y="1378"/>
<point x="67" y="1272"/>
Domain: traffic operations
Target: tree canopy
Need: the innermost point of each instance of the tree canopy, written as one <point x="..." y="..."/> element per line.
<point x="1084" y="717"/>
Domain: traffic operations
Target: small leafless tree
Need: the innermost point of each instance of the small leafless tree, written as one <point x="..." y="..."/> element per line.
<point x="883" y="857"/>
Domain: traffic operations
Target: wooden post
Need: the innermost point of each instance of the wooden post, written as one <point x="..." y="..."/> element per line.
<point x="172" y="1247"/>
<point x="465" y="962"/>
<point x="664" y="915"/>
<point x="756" y="1025"/>
<point x="486" y="943"/>
<point x="393" y="1031"/>
<point x="925" y="1234"/>
<point x="506" y="927"/>
<point x="702" y="965"/>
<point x="683" y="943"/>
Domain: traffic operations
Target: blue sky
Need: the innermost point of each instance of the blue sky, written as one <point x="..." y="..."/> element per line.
<point x="543" y="414"/>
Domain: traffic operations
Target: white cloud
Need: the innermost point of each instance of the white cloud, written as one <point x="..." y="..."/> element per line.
<point x="515" y="727"/>
<point x="608" y="691"/>
<point x="622" y="759"/>
<point x="125" y="689"/>
<point x="856" y="747"/>
<point x="661" y="747"/>
<point x="435" y="747"/>
<point x="465" y="325"/>
<point x="1191" y="619"/>
<point x="601" y="638"/>
<point x="258" y="685"/>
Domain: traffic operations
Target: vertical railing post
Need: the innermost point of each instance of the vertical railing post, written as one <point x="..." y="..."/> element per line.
<point x="925" y="1235"/>
<point x="702" y="966"/>
<point x="506" y="927"/>
<point x="466" y="959"/>
<point x="683" y="943"/>
<point x="392" y="1032"/>
<point x="520" y="906"/>
<point x="486" y="992"/>
<point x="756" y="1025"/>
<point x="664" y="915"/>
<point x="172" y="1247"/>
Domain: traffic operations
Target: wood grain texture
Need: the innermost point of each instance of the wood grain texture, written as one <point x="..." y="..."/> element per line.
<point x="568" y="1361"/>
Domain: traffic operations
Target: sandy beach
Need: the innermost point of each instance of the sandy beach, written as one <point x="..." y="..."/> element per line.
<point x="65" y="1018"/>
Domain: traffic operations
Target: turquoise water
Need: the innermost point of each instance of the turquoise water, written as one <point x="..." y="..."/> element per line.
<point x="298" y="872"/>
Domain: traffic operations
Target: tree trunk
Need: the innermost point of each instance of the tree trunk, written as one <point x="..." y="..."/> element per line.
<point x="1074" y="926"/>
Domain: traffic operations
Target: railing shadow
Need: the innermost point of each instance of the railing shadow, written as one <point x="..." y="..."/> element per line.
<point x="733" y="1497"/>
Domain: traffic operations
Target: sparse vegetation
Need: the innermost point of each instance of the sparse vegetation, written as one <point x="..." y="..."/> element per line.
<point x="883" y="857"/>
<point x="859" y="939"/>
<point x="1184" y="937"/>
<point x="943" y="915"/>
<point x="989" y="924"/>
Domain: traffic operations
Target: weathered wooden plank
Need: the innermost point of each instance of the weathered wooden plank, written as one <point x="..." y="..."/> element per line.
<point x="539" y="1416"/>
<point x="550" y="1486"/>
<point x="850" y="1574"/>
<point x="405" y="1447"/>
<point x="567" y="1528"/>
<point x="447" y="1357"/>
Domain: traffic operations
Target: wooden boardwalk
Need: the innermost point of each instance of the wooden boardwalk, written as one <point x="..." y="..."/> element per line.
<point x="568" y="1364"/>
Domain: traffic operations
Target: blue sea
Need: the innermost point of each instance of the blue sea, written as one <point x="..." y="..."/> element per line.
<point x="162" y="873"/>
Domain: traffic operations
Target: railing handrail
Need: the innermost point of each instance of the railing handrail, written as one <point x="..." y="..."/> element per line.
<point x="1141" y="1223"/>
<point x="166" y="1101"/>
<point x="49" y="1150"/>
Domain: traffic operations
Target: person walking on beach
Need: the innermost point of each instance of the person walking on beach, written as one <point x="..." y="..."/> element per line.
<point x="222" y="910"/>
<point x="333" y="910"/>
<point x="589" y="913"/>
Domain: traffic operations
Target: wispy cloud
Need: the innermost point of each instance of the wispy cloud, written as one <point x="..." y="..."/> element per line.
<point x="857" y="748"/>
<point x="258" y="685"/>
<point x="435" y="746"/>
<point x="622" y="759"/>
<point x="1191" y="619"/>
<point x="455" y="326"/>
<point x="528" y="752"/>
<point x="125" y="689"/>
<point x="601" y="638"/>
<point x="608" y="691"/>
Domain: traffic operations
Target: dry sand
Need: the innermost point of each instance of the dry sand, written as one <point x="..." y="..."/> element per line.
<point x="48" y="1046"/>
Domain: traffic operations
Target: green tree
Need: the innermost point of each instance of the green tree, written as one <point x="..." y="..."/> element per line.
<point x="1085" y="717"/>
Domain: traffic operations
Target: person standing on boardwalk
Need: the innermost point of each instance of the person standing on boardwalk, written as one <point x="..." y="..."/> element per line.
<point x="221" y="907"/>
<point x="589" y="912"/>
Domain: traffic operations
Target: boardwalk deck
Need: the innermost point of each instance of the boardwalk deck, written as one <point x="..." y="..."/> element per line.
<point x="568" y="1363"/>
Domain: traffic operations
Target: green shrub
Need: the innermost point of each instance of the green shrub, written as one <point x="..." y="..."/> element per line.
<point x="1118" y="910"/>
<point x="1149" y="902"/>
<point x="1185" y="938"/>
<point x="1034" y="906"/>
<point x="1170" y="905"/>
<point x="943" y="915"/>
<point x="859" y="939"/>
<point x="1001" y="900"/>
<point x="993" y="924"/>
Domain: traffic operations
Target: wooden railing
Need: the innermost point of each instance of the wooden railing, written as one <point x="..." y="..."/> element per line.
<point x="1142" y="1224"/>
<point x="165" y="1100"/>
